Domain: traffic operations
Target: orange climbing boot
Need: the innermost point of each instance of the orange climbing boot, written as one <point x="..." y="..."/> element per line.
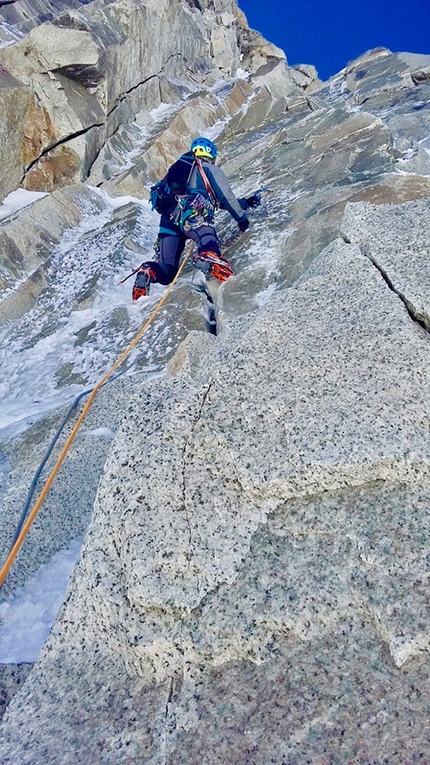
<point x="213" y="265"/>
<point x="142" y="283"/>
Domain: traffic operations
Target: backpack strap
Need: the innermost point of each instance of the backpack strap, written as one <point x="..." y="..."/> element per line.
<point x="208" y="187"/>
<point x="191" y="172"/>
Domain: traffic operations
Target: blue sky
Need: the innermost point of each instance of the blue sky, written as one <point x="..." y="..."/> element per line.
<point x="329" y="33"/>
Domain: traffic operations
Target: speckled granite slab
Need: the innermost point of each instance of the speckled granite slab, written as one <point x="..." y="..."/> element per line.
<point x="253" y="583"/>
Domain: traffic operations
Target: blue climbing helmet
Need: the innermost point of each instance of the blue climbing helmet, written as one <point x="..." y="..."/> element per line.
<point x="203" y="147"/>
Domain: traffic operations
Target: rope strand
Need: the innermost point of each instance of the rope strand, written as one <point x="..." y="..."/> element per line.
<point x="38" y="504"/>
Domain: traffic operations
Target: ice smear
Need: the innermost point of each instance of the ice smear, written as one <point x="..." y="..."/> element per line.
<point x="264" y="297"/>
<point x="28" y="615"/>
<point x="4" y="463"/>
<point x="102" y="432"/>
<point x="17" y="200"/>
<point x="243" y="74"/>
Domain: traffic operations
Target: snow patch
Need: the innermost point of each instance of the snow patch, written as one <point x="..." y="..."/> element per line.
<point x="264" y="297"/>
<point x="59" y="336"/>
<point x="243" y="74"/>
<point x="8" y="34"/>
<point x="114" y="203"/>
<point x="409" y="154"/>
<point x="29" y="614"/>
<point x="162" y="110"/>
<point x="4" y="463"/>
<point x="101" y="432"/>
<point x="17" y="200"/>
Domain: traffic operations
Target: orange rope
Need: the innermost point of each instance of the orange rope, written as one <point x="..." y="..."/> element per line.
<point x="38" y="504"/>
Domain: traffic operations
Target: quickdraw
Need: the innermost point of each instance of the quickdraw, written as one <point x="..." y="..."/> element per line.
<point x="193" y="211"/>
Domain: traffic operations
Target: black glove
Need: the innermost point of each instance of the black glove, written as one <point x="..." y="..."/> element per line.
<point x="243" y="224"/>
<point x="253" y="201"/>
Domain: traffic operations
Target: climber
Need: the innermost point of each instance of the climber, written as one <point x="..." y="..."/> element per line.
<point x="187" y="198"/>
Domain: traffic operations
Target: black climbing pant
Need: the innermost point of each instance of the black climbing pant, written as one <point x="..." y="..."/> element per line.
<point x="171" y="247"/>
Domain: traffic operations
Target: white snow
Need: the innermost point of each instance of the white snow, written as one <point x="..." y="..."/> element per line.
<point x="48" y="338"/>
<point x="4" y="463"/>
<point x="213" y="132"/>
<point x="408" y="154"/>
<point x="162" y="110"/>
<point x="243" y="74"/>
<point x="114" y="203"/>
<point x="264" y="297"/>
<point x="28" y="615"/>
<point x="17" y="200"/>
<point x="100" y="432"/>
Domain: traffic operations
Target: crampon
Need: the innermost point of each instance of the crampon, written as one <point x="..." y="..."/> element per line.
<point x="145" y="275"/>
<point x="213" y="265"/>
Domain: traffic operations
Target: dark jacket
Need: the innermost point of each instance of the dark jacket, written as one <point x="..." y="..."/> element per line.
<point x="183" y="177"/>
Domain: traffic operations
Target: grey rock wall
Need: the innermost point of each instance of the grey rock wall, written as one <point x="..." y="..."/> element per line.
<point x="28" y="240"/>
<point x="85" y="71"/>
<point x="384" y="235"/>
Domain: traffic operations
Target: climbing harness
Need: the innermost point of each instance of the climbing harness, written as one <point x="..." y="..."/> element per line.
<point x="38" y="504"/>
<point x="195" y="209"/>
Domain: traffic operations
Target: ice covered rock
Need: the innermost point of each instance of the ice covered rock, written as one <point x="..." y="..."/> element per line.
<point x="88" y="68"/>
<point x="28" y="238"/>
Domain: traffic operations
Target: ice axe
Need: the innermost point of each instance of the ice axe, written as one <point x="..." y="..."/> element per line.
<point x="128" y="277"/>
<point x="257" y="194"/>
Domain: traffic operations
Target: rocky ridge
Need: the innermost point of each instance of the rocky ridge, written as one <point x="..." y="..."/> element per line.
<point x="70" y="82"/>
<point x="253" y="582"/>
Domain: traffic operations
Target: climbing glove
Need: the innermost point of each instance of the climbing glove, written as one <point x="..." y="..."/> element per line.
<point x="253" y="201"/>
<point x="243" y="224"/>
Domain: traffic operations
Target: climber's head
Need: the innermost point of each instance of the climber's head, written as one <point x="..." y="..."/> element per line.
<point x="204" y="148"/>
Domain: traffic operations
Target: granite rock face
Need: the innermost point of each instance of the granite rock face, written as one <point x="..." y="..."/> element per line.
<point x="15" y="102"/>
<point x="253" y="585"/>
<point x="92" y="66"/>
<point x="290" y="580"/>
<point x="384" y="235"/>
<point x="27" y="241"/>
